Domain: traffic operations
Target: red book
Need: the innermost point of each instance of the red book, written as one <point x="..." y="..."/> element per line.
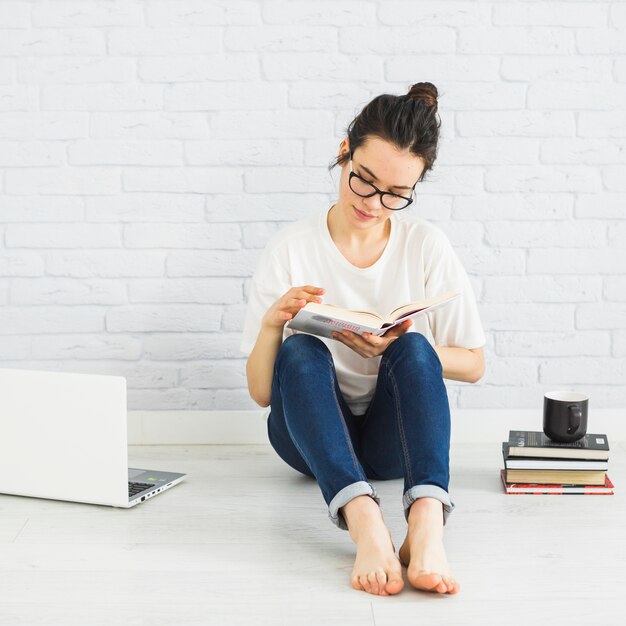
<point x="533" y="488"/>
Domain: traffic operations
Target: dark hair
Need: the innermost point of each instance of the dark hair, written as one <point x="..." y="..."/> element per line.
<point x="409" y="122"/>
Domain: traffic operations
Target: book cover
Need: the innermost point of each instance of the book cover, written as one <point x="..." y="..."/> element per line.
<point x="543" y="463"/>
<point x="323" y="319"/>
<point x="543" y="489"/>
<point x="527" y="443"/>
<point x="555" y="477"/>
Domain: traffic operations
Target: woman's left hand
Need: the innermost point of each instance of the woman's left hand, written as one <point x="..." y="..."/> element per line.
<point x="368" y="345"/>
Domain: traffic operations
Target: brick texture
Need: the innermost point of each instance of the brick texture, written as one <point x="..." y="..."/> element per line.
<point x="149" y="149"/>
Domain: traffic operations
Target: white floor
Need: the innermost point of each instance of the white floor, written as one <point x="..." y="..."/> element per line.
<point x="245" y="540"/>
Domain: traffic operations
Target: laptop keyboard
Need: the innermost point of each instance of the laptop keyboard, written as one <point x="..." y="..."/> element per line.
<point x="135" y="488"/>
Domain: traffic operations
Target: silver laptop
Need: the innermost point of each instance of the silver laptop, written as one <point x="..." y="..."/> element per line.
<point x="64" y="437"/>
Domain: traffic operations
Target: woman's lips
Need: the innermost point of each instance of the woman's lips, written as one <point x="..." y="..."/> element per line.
<point x="361" y="215"/>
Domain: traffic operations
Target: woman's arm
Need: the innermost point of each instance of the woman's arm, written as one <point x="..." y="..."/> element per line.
<point x="260" y="365"/>
<point x="463" y="364"/>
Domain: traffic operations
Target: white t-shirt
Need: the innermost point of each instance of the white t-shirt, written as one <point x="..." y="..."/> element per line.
<point x="418" y="262"/>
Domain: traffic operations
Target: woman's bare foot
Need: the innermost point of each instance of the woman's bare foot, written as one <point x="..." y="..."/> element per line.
<point x="377" y="569"/>
<point x="422" y="551"/>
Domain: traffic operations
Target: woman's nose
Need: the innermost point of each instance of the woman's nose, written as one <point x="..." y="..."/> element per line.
<point x="373" y="203"/>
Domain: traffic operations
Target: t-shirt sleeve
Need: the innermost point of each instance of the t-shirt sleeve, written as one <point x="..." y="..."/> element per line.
<point x="458" y="322"/>
<point x="269" y="282"/>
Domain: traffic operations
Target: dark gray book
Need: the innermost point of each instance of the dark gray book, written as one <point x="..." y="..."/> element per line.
<point x="530" y="443"/>
<point x="543" y="463"/>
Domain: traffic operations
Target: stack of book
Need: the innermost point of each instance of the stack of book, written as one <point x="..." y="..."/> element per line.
<point x="535" y="464"/>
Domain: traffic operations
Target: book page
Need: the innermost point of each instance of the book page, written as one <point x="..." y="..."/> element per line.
<point x="407" y="310"/>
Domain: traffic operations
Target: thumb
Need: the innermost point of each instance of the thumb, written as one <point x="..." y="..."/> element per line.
<point x="400" y="329"/>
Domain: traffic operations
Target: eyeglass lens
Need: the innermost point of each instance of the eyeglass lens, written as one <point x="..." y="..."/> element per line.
<point x="364" y="189"/>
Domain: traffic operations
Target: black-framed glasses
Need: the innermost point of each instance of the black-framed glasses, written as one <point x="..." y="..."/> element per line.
<point x="365" y="189"/>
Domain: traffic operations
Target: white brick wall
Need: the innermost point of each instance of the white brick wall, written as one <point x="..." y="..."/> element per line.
<point x="149" y="148"/>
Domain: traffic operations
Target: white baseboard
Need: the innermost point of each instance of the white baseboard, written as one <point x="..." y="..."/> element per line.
<point x="249" y="427"/>
<point x="197" y="427"/>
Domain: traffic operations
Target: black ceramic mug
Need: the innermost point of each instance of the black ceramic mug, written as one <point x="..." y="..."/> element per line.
<point x="565" y="415"/>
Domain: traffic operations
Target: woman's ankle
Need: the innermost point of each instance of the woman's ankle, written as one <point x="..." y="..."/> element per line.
<point x="425" y="507"/>
<point x="360" y="514"/>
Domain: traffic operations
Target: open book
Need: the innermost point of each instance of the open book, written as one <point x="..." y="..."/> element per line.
<point x="323" y="319"/>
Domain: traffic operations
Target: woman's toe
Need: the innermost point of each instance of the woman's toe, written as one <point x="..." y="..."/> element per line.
<point x="451" y="584"/>
<point x="381" y="579"/>
<point x="373" y="581"/>
<point x="365" y="583"/>
<point x="394" y="583"/>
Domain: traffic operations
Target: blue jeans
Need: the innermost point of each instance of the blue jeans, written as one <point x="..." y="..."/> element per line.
<point x="405" y="432"/>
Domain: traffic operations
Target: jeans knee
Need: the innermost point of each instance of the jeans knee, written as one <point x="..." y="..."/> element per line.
<point x="415" y="348"/>
<point x="300" y="349"/>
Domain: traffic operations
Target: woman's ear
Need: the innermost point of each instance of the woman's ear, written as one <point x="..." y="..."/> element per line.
<point x="344" y="147"/>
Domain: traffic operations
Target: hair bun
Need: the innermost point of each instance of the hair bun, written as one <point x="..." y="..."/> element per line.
<point x="426" y="93"/>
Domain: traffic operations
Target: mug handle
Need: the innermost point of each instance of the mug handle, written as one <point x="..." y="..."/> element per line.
<point x="574" y="418"/>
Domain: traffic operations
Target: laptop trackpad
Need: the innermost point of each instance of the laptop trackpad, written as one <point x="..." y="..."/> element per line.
<point x="133" y="473"/>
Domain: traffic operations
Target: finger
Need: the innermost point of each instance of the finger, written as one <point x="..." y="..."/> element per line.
<point x="345" y="340"/>
<point x="404" y="325"/>
<point x="338" y="337"/>
<point x="356" y="342"/>
<point x="299" y="299"/>
<point x="309" y="297"/>
<point x="355" y="339"/>
<point x="296" y="303"/>
<point x="308" y="290"/>
<point x="372" y="339"/>
<point x="293" y="305"/>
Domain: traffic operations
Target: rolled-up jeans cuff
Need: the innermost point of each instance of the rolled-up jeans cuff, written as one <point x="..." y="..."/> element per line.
<point x="428" y="491"/>
<point x="344" y="496"/>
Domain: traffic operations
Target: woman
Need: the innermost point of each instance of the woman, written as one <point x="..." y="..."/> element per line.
<point x="365" y="407"/>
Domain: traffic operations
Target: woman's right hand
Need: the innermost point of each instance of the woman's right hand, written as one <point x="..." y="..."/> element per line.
<point x="286" y="307"/>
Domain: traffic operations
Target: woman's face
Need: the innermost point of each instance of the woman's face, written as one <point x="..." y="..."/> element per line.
<point x="382" y="164"/>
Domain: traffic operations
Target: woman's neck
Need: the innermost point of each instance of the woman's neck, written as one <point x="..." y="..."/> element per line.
<point x="344" y="234"/>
